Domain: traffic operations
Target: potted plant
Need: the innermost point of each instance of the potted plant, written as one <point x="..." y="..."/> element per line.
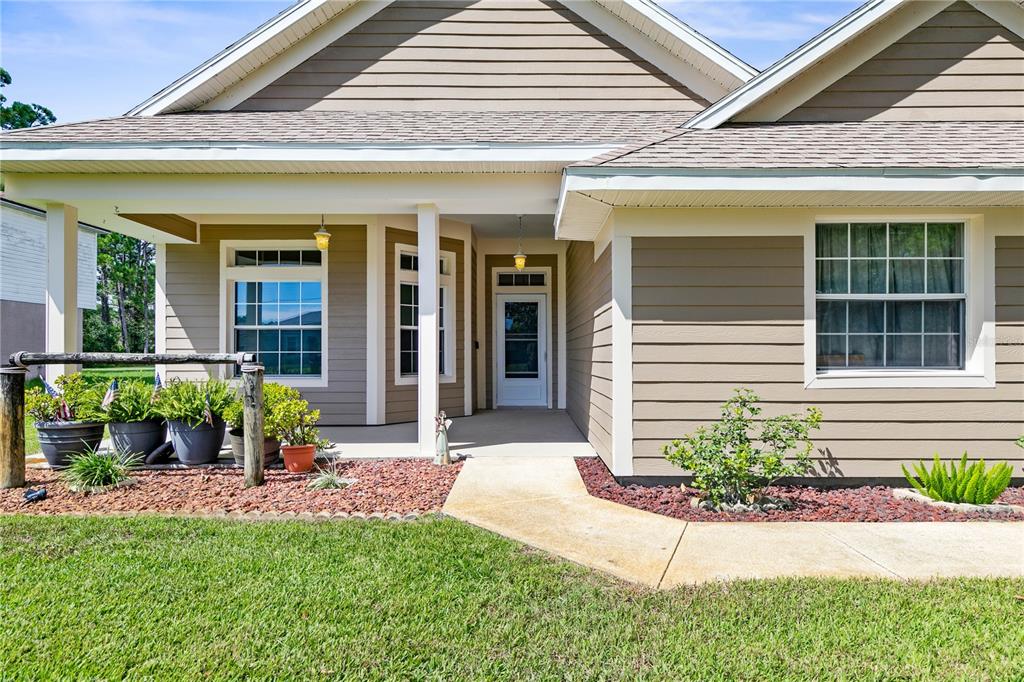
<point x="295" y="425"/>
<point x="195" y="417"/>
<point x="273" y="395"/>
<point x="134" y="425"/>
<point x="68" y="418"/>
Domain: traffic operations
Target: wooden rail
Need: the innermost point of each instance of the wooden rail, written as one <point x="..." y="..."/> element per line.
<point x="12" y="401"/>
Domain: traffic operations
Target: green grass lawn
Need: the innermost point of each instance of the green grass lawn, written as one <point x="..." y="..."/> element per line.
<point x="93" y="375"/>
<point x="188" y="599"/>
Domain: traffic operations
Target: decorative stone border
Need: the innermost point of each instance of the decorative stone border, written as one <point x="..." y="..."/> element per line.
<point x="247" y="516"/>
<point x="911" y="494"/>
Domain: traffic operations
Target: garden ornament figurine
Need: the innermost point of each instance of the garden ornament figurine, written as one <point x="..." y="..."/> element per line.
<point x="441" y="424"/>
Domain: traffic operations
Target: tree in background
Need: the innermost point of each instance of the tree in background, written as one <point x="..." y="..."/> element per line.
<point x="19" y="114"/>
<point x="126" y="289"/>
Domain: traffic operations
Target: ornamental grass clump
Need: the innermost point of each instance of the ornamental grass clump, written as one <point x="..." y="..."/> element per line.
<point x="94" y="471"/>
<point x="960" y="484"/>
<point x="330" y="478"/>
<point x="731" y="465"/>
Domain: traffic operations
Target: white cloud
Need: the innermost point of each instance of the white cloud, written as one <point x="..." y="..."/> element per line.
<point x="780" y="22"/>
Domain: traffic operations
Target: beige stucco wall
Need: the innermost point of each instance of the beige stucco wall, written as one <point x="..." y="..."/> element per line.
<point x="589" y="344"/>
<point x="193" y="310"/>
<point x="959" y="65"/>
<point x="715" y="313"/>
<point x="401" y="399"/>
<point x="487" y="55"/>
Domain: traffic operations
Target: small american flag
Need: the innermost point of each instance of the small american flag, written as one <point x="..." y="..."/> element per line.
<point x="54" y="393"/>
<point x="110" y="396"/>
<point x="157" y="385"/>
<point x="64" y="413"/>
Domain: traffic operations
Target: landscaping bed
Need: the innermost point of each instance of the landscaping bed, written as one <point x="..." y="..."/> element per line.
<point x="865" y="503"/>
<point x="386" y="487"/>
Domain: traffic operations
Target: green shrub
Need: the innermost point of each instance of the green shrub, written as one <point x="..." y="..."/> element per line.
<point x="133" y="402"/>
<point x="274" y="395"/>
<point x="82" y="401"/>
<point x="190" y="401"/>
<point x="965" y="484"/>
<point x="730" y="464"/>
<point x="92" y="471"/>
<point x="295" y="424"/>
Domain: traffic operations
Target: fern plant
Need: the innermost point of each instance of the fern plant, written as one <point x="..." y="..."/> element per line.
<point x="964" y="484"/>
<point x="133" y="402"/>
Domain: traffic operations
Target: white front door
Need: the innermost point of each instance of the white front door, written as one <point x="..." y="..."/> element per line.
<point x="521" y="376"/>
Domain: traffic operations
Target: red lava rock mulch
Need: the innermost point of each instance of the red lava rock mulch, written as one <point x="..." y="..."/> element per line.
<point x="395" y="486"/>
<point x="866" y="503"/>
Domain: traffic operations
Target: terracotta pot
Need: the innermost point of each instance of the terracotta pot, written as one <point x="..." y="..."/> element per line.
<point x="298" y="459"/>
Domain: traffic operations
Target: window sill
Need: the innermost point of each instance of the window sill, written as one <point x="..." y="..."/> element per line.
<point x="900" y="379"/>
<point x="412" y="381"/>
<point x="304" y="382"/>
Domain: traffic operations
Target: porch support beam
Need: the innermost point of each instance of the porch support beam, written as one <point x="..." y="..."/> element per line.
<point x="375" y="332"/>
<point x="61" y="285"/>
<point x="622" y="356"/>
<point x="428" y="225"/>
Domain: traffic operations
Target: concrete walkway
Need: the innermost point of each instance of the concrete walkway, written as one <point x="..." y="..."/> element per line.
<point x="542" y="502"/>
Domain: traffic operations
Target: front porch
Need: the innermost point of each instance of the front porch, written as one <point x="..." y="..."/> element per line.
<point x="488" y="433"/>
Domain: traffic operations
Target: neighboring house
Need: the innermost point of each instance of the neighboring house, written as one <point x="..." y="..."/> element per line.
<point x="843" y="230"/>
<point x="23" y="266"/>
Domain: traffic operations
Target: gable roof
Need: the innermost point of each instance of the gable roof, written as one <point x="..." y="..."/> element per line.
<point x="852" y="26"/>
<point x="305" y="28"/>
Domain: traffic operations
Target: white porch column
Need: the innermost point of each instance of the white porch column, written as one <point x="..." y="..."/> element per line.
<point x="622" y="356"/>
<point x="61" y="285"/>
<point x="428" y="229"/>
<point x="375" y="355"/>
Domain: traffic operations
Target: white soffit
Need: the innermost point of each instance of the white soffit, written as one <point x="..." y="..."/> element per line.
<point x="810" y="54"/>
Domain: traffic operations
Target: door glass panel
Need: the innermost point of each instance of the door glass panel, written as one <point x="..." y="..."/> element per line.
<point x="521" y="343"/>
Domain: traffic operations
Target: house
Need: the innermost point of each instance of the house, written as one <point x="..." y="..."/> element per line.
<point x="844" y="229"/>
<point x="23" y="268"/>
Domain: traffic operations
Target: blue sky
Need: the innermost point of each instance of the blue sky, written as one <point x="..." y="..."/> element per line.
<point x="87" y="59"/>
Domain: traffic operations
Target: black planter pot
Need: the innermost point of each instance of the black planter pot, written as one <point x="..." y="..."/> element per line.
<point x="137" y="438"/>
<point x="60" y="440"/>
<point x="271" y="448"/>
<point x="199" y="444"/>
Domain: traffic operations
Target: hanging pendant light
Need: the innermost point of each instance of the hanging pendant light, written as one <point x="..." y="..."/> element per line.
<point x="520" y="257"/>
<point x="323" y="237"/>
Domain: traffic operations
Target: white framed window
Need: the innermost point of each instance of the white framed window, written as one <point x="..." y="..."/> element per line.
<point x="894" y="303"/>
<point x="274" y="304"/>
<point x="407" y="315"/>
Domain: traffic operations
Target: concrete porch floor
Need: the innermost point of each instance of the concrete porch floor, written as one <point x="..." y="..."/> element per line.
<point x="514" y="432"/>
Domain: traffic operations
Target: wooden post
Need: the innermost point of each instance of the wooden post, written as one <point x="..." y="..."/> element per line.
<point x="252" y="401"/>
<point x="12" y="427"/>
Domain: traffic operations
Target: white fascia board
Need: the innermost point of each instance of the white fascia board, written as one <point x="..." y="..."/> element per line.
<point x="231" y="55"/>
<point x="455" y="153"/>
<point x="845" y="179"/>
<point x="709" y="49"/>
<point x="1009" y="14"/>
<point x="788" y="67"/>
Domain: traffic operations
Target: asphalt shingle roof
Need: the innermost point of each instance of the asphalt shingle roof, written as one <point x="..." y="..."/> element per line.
<point x="352" y="127"/>
<point x="889" y="144"/>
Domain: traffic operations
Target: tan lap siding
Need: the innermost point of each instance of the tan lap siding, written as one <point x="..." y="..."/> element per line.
<point x="589" y="344"/>
<point x="503" y="262"/>
<point x="712" y="314"/>
<point x="960" y="65"/>
<point x="402" y="401"/>
<point x="481" y="55"/>
<point x="193" y="322"/>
